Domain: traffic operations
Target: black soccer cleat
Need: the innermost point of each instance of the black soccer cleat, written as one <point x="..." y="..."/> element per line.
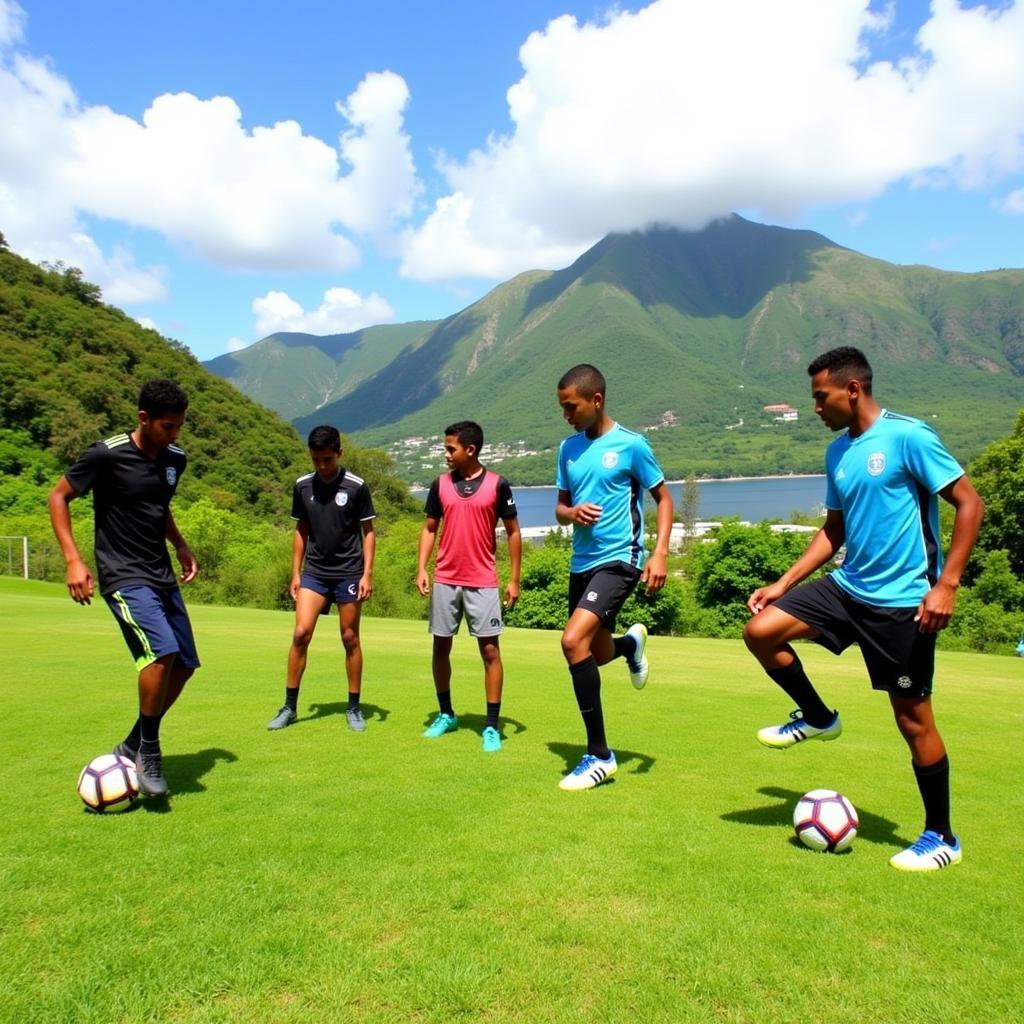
<point x="149" y="766"/>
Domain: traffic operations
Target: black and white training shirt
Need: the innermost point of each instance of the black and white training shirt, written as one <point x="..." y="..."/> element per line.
<point x="131" y="496"/>
<point x="334" y="513"/>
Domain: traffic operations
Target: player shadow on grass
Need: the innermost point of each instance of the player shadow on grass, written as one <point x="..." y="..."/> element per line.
<point x="184" y="772"/>
<point x="572" y="752"/>
<point x="476" y="723"/>
<point x="339" y="707"/>
<point x="873" y="827"/>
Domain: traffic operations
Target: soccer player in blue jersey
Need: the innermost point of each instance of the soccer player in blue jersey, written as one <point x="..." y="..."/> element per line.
<point x="133" y="477"/>
<point x="892" y="593"/>
<point x="603" y="471"/>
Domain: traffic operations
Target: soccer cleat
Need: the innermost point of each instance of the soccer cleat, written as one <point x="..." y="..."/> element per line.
<point x="930" y="853"/>
<point x="441" y="724"/>
<point x="123" y="750"/>
<point x="492" y="740"/>
<point x="149" y="767"/>
<point x="796" y="731"/>
<point x="590" y="772"/>
<point x="638" y="663"/>
<point x="284" y="717"/>
<point x="356" y="722"/>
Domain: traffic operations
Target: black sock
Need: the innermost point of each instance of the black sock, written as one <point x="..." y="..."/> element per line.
<point x="134" y="738"/>
<point x="291" y="698"/>
<point x="586" y="684"/>
<point x="794" y="681"/>
<point x="933" y="782"/>
<point x="149" y="730"/>
<point x="353" y="701"/>
<point x="444" y="702"/>
<point x="625" y="647"/>
<point x="493" y="710"/>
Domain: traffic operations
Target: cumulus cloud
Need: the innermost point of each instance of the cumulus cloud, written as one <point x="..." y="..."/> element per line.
<point x="685" y="111"/>
<point x="148" y="322"/>
<point x="1013" y="203"/>
<point x="341" y="311"/>
<point x="269" y="197"/>
<point x="236" y="345"/>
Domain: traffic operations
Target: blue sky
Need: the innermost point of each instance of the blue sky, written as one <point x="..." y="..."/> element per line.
<point x="894" y="129"/>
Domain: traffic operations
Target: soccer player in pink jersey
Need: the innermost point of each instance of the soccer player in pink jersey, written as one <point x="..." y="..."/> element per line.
<point x="470" y="500"/>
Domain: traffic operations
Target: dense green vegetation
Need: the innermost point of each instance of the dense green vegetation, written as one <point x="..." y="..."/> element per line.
<point x="316" y="876"/>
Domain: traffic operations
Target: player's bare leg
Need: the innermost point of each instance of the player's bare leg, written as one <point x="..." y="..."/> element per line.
<point x="445" y="720"/>
<point x="308" y="605"/>
<point x="348" y="621"/>
<point x="494" y="680"/>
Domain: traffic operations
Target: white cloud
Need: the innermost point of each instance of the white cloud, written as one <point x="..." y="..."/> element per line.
<point x="263" y="198"/>
<point x="1013" y="203"/>
<point x="342" y="311"/>
<point x="236" y="345"/>
<point x="148" y="322"/>
<point x="857" y="218"/>
<point x="685" y="111"/>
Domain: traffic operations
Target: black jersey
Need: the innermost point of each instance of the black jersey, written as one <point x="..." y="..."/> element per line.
<point x="334" y="513"/>
<point x="131" y="496"/>
<point x="466" y="488"/>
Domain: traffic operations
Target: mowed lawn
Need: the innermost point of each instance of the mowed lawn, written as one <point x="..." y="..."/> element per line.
<point x="316" y="875"/>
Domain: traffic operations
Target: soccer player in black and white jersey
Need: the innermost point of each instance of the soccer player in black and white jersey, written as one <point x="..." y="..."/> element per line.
<point x="332" y="560"/>
<point x="133" y="478"/>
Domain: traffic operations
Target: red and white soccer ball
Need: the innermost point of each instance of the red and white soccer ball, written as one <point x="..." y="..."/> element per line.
<point x="825" y="820"/>
<point x="108" y="783"/>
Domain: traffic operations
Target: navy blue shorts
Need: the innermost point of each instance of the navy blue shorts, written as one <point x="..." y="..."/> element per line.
<point x="900" y="659"/>
<point x="154" y="623"/>
<point x="336" y="591"/>
<point x="603" y="590"/>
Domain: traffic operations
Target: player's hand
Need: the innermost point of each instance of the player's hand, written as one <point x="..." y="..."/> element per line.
<point x="936" y="609"/>
<point x="189" y="565"/>
<point x="423" y="583"/>
<point x="79" y="582"/>
<point x="511" y="595"/>
<point x="655" y="573"/>
<point x="586" y="514"/>
<point x="763" y="596"/>
<point x="293" y="587"/>
<point x="365" y="591"/>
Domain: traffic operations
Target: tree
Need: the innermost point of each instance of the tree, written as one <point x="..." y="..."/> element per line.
<point x="999" y="477"/>
<point x="689" y="508"/>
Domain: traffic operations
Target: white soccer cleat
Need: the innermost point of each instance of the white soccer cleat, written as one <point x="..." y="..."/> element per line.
<point x="796" y="731"/>
<point x="637" y="665"/>
<point x="590" y="772"/>
<point x="930" y="853"/>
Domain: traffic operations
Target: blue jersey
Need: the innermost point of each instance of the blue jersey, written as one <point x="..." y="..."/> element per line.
<point x="885" y="483"/>
<point x="612" y="471"/>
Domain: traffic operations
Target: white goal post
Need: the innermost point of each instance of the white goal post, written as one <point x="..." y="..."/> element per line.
<point x="13" y="544"/>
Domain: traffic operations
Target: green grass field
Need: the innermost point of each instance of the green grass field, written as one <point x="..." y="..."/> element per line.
<point x="316" y="875"/>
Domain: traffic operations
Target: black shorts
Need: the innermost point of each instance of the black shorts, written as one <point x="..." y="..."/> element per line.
<point x="603" y="590"/>
<point x="900" y="658"/>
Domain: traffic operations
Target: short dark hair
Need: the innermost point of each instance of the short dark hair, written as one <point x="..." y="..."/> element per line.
<point x="324" y="437"/>
<point x="160" y="396"/>
<point x="844" y="364"/>
<point x="586" y="379"/>
<point x="467" y="433"/>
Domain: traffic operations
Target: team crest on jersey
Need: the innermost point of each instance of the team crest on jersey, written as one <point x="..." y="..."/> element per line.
<point x="610" y="460"/>
<point x="876" y="463"/>
<point x="341" y="499"/>
<point x="171" y="474"/>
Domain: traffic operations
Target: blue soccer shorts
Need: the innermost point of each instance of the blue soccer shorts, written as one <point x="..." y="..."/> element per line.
<point x="154" y="624"/>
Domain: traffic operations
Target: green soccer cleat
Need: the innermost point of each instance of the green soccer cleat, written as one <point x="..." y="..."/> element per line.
<point x="441" y="724"/>
<point x="492" y="740"/>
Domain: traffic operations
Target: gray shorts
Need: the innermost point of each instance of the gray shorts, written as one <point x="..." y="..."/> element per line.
<point x="481" y="605"/>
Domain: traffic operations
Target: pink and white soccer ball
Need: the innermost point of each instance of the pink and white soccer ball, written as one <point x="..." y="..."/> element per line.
<point x="108" y="783"/>
<point x="825" y="820"/>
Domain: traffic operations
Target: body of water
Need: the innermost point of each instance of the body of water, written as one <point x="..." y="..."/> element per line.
<point x="753" y="499"/>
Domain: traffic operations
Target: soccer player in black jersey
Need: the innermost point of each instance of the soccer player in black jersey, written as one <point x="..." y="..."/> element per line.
<point x="332" y="560"/>
<point x="133" y="478"/>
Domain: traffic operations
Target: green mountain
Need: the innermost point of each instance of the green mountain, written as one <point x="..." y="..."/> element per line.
<point x="696" y="333"/>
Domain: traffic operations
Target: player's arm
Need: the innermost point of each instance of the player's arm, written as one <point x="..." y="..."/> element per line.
<point x="656" y="570"/>
<point x="369" y="551"/>
<point x="427" y="537"/>
<point x="299" y="541"/>
<point x="936" y="609"/>
<point x="189" y="565"/>
<point x="585" y="514"/>
<point x="515" y="558"/>
<point x="823" y="547"/>
<point x="79" y="578"/>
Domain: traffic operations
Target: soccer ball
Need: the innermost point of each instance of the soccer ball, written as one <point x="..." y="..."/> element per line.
<point x="825" y="820"/>
<point x="108" y="783"/>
